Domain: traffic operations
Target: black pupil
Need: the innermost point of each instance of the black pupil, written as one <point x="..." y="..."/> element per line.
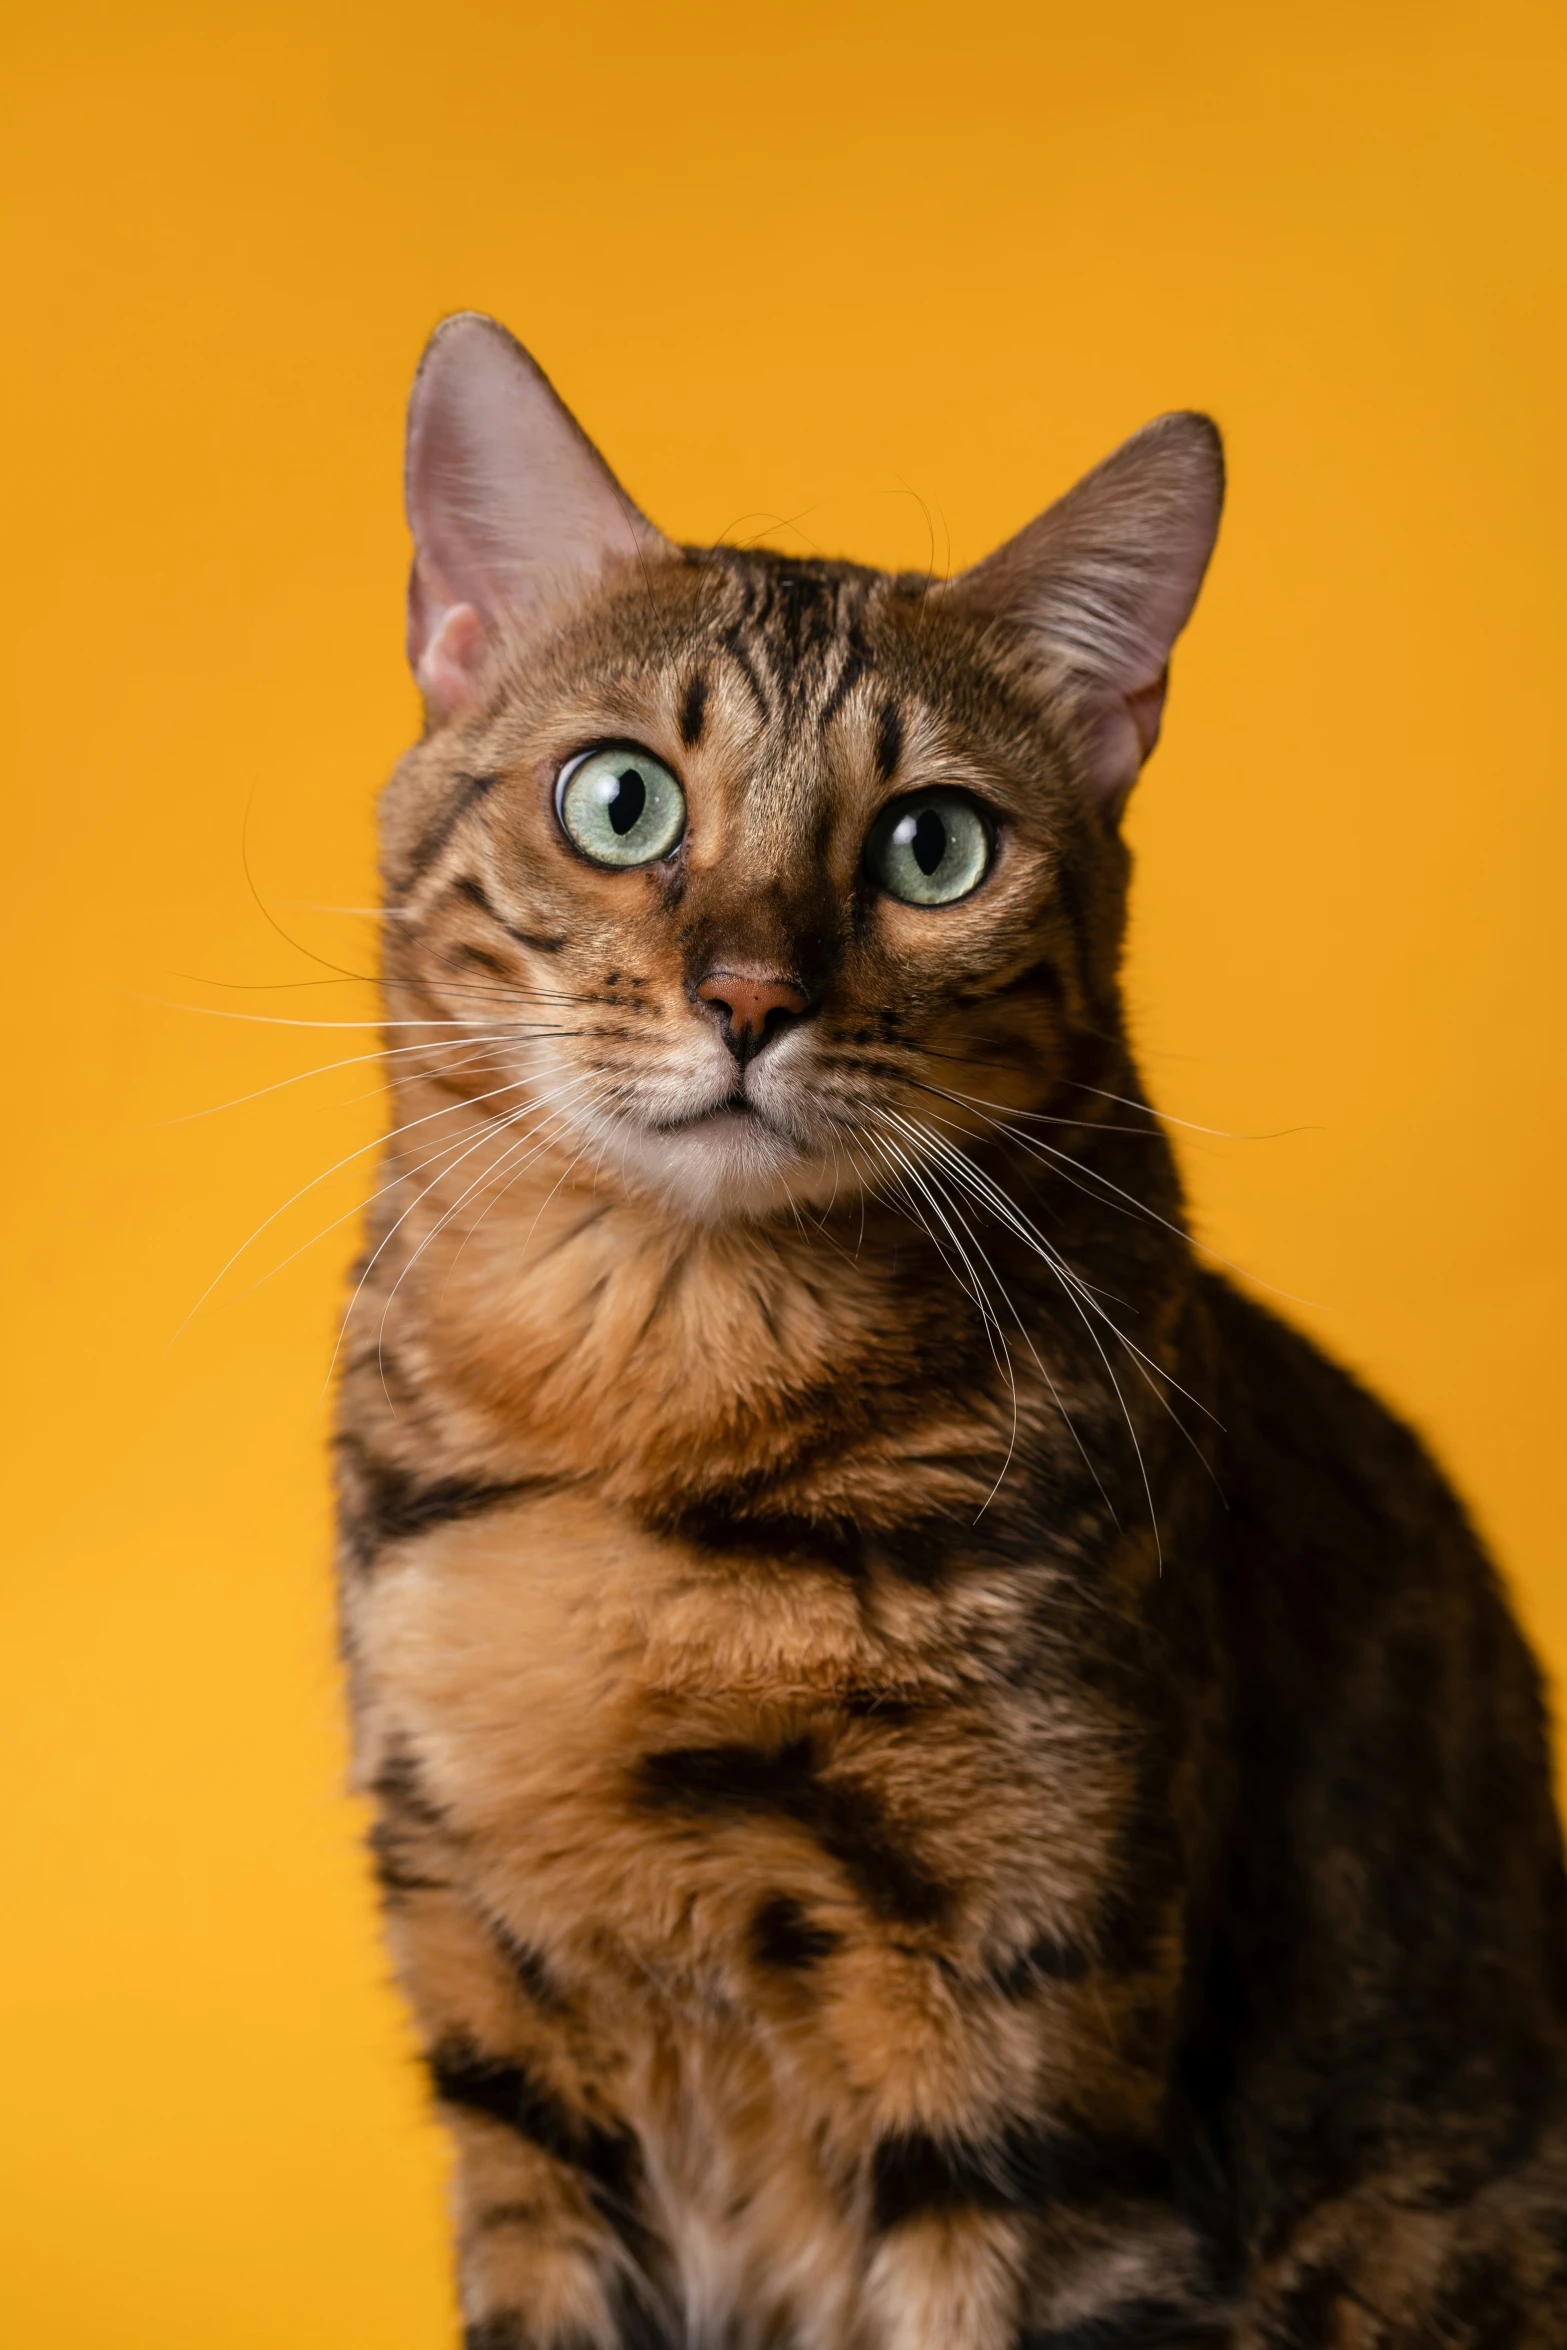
<point x="629" y="801"/>
<point x="930" y="840"/>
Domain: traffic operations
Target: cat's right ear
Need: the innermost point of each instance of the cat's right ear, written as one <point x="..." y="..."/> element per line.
<point x="512" y="508"/>
<point x="1093" y="593"/>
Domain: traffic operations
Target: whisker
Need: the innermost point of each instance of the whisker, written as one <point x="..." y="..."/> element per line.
<point x="515" y="1176"/>
<point x="445" y="1150"/>
<point x="510" y="994"/>
<point x="992" y="1320"/>
<point x="267" y="913"/>
<point x="549" y="1195"/>
<point x="1029" y="1233"/>
<point x="1077" y="1292"/>
<point x="282" y="1020"/>
<point x="1167" y="1118"/>
<point x="540" y="1143"/>
<point x="907" y="1173"/>
<point x="347" y="1160"/>
<point x="1062" y="1160"/>
<point x="370" y="913"/>
<point x="515" y="1118"/>
<point x="268" y="986"/>
<point x="1034" y="1117"/>
<point x="1044" y="1372"/>
<point x="328" y="1068"/>
<point x="900" y="1168"/>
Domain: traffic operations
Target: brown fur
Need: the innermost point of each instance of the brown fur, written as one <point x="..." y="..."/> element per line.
<point x="921" y="1807"/>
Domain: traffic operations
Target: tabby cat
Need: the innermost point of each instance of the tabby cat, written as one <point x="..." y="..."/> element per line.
<point x="943" y="1781"/>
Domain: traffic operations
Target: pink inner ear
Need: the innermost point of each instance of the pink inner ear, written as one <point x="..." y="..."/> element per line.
<point x="1122" y="729"/>
<point x="1101" y="584"/>
<point x="451" y="660"/>
<point x="1147" y="708"/>
<point x="512" y="508"/>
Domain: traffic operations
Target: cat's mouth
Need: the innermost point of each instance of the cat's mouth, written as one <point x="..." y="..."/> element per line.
<point x="737" y="1105"/>
<point x="729" y="1154"/>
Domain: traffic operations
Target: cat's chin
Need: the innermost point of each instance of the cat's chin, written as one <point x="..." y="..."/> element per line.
<point x="726" y="1165"/>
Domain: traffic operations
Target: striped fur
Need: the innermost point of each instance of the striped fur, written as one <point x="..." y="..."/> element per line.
<point x="904" y="1826"/>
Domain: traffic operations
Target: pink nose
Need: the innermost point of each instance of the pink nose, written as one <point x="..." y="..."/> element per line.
<point x="753" y="1007"/>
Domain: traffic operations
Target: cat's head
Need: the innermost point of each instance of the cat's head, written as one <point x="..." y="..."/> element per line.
<point x="758" y="878"/>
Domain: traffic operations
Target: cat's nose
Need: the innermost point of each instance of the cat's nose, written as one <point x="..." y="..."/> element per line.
<point x="751" y="1007"/>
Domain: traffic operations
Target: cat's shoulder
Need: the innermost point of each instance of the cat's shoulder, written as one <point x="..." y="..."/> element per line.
<point x="1310" y="1449"/>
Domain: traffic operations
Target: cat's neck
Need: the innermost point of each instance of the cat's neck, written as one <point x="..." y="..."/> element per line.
<point x="604" y="1334"/>
<point x="558" y="1324"/>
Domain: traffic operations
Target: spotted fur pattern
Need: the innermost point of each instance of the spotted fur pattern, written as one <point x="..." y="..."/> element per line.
<point x="942" y="1780"/>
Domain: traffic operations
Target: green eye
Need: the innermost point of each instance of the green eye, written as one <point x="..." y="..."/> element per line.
<point x="929" y="849"/>
<point x="621" y="807"/>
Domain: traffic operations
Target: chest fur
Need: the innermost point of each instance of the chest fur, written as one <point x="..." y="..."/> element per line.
<point x="644" y="1744"/>
<point x="775" y="1834"/>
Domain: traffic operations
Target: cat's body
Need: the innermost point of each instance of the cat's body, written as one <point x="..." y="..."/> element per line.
<point x="944" y="1782"/>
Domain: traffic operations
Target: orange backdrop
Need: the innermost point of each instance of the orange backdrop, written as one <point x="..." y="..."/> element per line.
<point x="881" y="278"/>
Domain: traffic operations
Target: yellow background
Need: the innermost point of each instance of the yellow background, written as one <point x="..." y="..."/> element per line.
<point x="897" y="274"/>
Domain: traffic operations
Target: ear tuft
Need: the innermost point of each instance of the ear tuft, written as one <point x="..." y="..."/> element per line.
<point x="1095" y="591"/>
<point x="447" y="659"/>
<point x="512" y="508"/>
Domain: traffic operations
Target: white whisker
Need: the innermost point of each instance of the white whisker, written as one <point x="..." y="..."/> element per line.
<point x="447" y="1150"/>
<point x="456" y="1044"/>
<point x="514" y="1118"/>
<point x="1078" y="1293"/>
<point x="283" y="1020"/>
<point x="942" y="1202"/>
<point x="347" y="1160"/>
<point x="1061" y="1161"/>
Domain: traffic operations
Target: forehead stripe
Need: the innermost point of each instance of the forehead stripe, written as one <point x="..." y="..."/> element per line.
<point x="693" y="709"/>
<point x="848" y="678"/>
<point x="736" y="649"/>
<point x="889" y="741"/>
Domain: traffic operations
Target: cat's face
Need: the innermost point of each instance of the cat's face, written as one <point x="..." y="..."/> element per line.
<point x="772" y="871"/>
<point x="763" y="882"/>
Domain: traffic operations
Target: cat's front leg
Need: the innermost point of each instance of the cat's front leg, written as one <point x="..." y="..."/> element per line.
<point x="1016" y="2183"/>
<point x="977" y="2246"/>
<point x="554" y="2252"/>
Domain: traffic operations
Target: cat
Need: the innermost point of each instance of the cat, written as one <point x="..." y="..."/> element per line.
<point x="942" y="1780"/>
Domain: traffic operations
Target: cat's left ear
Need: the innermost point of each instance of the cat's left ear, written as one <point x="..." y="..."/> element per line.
<point x="1094" y="592"/>
<point x="513" y="511"/>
